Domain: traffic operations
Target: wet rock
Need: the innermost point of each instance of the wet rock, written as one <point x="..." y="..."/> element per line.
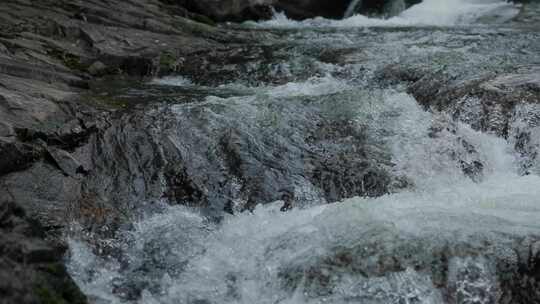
<point x="64" y="157"/>
<point x="6" y="130"/>
<point x="47" y="56"/>
<point x="44" y="191"/>
<point x="386" y="8"/>
<point x="312" y="155"/>
<point x="395" y="73"/>
<point x="486" y="103"/>
<point x="460" y="272"/>
<point x="66" y="162"/>
<point x="524" y="137"/>
<point x="128" y="43"/>
<point x="504" y="105"/>
<point x="21" y="109"/>
<point x="462" y="152"/>
<point x="97" y="68"/>
<point x="95" y="160"/>
<point x="31" y="270"/>
<point x="242" y="10"/>
<point x="22" y="69"/>
<point x="231" y="10"/>
<point x="16" y="156"/>
<point x="312" y="8"/>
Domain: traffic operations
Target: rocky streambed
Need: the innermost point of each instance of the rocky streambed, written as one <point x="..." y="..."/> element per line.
<point x="149" y="155"/>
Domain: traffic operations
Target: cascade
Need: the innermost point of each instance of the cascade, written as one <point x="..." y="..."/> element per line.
<point x="352" y="8"/>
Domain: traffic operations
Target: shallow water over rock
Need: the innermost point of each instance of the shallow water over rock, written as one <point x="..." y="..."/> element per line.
<point x="422" y="137"/>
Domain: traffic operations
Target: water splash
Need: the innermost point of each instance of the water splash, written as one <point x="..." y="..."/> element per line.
<point x="321" y="254"/>
<point x="362" y="250"/>
<point x="352" y="7"/>
<point x="178" y="81"/>
<point x="426" y="13"/>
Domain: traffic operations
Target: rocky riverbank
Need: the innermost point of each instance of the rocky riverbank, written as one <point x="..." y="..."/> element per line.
<point x="53" y="132"/>
<point x="63" y="154"/>
<point x="86" y="137"/>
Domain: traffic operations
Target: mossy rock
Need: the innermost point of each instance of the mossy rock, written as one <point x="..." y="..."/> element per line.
<point x="168" y="63"/>
<point x="48" y="296"/>
<point x="71" y="61"/>
<point x="203" y="19"/>
<point x="56" y="269"/>
<point x="110" y="101"/>
<point x="70" y="295"/>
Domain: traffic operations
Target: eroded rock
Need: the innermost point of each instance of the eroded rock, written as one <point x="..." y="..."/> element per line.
<point x="31" y="270"/>
<point x="242" y="10"/>
<point x="505" y="105"/>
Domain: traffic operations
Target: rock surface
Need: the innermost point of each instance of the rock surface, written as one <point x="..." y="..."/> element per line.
<point x="506" y="105"/>
<point x="50" y="54"/>
<point x="386" y="8"/>
<point x="461" y="271"/>
<point x="242" y="10"/>
<point x="31" y="271"/>
<point x="71" y="149"/>
<point x="50" y="135"/>
<point x="69" y="153"/>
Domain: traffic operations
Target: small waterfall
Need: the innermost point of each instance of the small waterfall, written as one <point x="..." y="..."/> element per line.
<point x="352" y="7"/>
<point x="462" y="205"/>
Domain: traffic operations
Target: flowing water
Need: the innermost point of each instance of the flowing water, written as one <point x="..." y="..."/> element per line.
<point x="352" y="7"/>
<point x="427" y="13"/>
<point x="363" y="250"/>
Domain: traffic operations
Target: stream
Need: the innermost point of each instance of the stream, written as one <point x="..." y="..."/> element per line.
<point x="459" y="206"/>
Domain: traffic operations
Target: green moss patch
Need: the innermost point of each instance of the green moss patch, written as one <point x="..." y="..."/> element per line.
<point x="71" y="61"/>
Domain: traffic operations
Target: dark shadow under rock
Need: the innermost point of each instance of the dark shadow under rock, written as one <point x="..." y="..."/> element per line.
<point x="31" y="270"/>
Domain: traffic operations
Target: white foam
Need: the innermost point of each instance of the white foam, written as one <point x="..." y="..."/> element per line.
<point x="431" y="161"/>
<point x="427" y="13"/>
<point x="314" y="86"/>
<point x="240" y="261"/>
<point x="178" y="81"/>
<point x="250" y="250"/>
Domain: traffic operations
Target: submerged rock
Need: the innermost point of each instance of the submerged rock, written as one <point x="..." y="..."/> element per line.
<point x="445" y="245"/>
<point x="261" y="116"/>
<point x="48" y="53"/>
<point x="422" y="271"/>
<point x="506" y="105"/>
<point x="254" y="151"/>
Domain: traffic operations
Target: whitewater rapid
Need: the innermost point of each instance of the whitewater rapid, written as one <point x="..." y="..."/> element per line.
<point x="426" y="13"/>
<point x="242" y="260"/>
<point x="348" y="251"/>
